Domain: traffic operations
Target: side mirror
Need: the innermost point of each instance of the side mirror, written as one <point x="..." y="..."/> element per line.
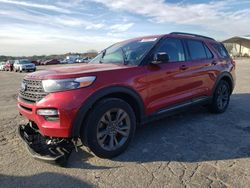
<point x="160" y="57"/>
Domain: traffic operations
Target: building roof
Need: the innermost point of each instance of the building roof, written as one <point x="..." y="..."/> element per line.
<point x="244" y="41"/>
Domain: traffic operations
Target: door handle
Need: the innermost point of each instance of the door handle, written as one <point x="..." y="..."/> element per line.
<point x="183" y="67"/>
<point x="214" y="63"/>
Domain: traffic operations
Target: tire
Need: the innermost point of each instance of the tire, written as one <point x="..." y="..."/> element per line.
<point x="221" y="98"/>
<point x="108" y="119"/>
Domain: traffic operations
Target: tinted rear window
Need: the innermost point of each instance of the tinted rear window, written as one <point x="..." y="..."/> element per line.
<point x="196" y="50"/>
<point x="221" y="50"/>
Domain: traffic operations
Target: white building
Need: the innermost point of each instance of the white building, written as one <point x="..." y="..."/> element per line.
<point x="238" y="46"/>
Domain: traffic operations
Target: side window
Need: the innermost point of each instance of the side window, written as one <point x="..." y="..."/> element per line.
<point x="208" y="52"/>
<point x="196" y="50"/>
<point x="221" y="50"/>
<point x="174" y="49"/>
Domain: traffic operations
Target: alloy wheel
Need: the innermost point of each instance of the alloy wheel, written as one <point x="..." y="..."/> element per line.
<point x="113" y="129"/>
<point x="223" y="96"/>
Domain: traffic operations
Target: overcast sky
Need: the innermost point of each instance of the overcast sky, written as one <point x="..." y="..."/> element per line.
<point x="58" y="26"/>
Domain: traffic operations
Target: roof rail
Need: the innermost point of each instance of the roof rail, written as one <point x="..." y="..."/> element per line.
<point x="190" y="34"/>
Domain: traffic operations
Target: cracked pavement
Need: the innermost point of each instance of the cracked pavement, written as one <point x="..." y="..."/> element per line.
<point x="190" y="149"/>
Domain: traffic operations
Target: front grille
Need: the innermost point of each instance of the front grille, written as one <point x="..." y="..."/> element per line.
<point x="33" y="91"/>
<point x="29" y="66"/>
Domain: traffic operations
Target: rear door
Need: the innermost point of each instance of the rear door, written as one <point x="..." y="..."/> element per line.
<point x="200" y="60"/>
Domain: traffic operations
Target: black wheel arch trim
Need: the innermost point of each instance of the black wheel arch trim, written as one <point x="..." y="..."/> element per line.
<point x="87" y="105"/>
<point x="222" y="76"/>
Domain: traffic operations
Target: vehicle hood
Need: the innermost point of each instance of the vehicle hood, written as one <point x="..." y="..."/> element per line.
<point x="74" y="71"/>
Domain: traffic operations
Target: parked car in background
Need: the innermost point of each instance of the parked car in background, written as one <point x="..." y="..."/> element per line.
<point x="9" y="65"/>
<point x="35" y="62"/>
<point x="80" y="60"/>
<point x="50" y="62"/>
<point x="2" y="65"/>
<point x="24" y="65"/>
<point x="63" y="61"/>
<point x="70" y="59"/>
<point x="83" y="60"/>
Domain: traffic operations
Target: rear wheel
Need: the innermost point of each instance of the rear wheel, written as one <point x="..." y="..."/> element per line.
<point x="109" y="128"/>
<point x="221" y="98"/>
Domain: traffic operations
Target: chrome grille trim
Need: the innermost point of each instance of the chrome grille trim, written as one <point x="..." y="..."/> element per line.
<point x="34" y="91"/>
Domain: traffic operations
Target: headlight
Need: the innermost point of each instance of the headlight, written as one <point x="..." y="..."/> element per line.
<point x="67" y="84"/>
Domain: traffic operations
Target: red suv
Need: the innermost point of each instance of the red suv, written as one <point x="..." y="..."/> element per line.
<point x="9" y="65"/>
<point x="129" y="83"/>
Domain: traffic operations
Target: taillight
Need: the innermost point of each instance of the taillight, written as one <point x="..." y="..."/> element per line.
<point x="233" y="62"/>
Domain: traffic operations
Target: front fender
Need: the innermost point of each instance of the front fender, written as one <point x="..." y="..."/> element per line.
<point x="88" y="104"/>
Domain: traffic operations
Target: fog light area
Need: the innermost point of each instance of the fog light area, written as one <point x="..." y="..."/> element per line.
<point x="47" y="112"/>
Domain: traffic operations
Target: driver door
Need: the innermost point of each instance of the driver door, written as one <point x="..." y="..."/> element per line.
<point x="169" y="82"/>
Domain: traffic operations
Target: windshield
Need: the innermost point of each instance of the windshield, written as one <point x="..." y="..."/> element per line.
<point x="25" y="62"/>
<point x="128" y="52"/>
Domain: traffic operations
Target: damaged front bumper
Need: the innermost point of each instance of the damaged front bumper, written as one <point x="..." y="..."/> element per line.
<point x="52" y="150"/>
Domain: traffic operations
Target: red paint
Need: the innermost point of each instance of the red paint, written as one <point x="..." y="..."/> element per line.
<point x="8" y="66"/>
<point x="158" y="86"/>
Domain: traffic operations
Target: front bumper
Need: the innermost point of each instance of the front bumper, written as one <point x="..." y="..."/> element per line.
<point x="42" y="148"/>
<point x="67" y="106"/>
<point x="47" y="128"/>
<point x="67" y="103"/>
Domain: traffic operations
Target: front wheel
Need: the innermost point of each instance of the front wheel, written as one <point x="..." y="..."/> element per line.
<point x="109" y="128"/>
<point x="221" y="98"/>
